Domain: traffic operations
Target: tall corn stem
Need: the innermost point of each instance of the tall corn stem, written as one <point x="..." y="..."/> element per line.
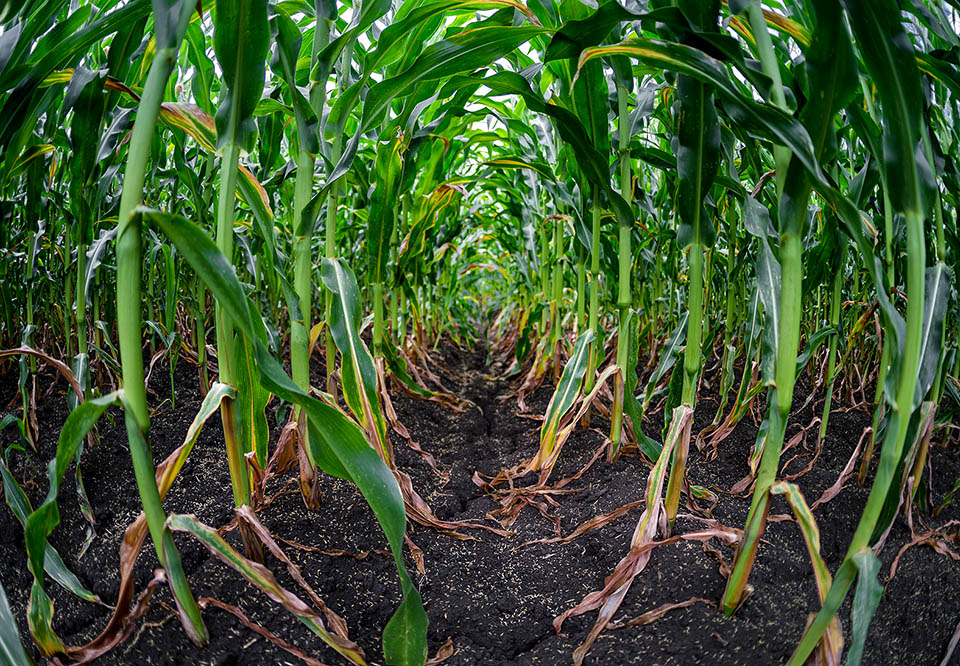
<point x="226" y="343"/>
<point x="894" y="440"/>
<point x="589" y="379"/>
<point x="791" y="295"/>
<point x="623" y="281"/>
<point x="129" y="265"/>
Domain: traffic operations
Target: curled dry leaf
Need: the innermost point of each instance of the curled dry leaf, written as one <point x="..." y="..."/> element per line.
<point x="443" y="653"/>
<point x="658" y="612"/>
<point x="262" y="631"/>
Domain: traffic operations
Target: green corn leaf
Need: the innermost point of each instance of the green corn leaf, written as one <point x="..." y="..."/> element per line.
<point x="284" y="63"/>
<point x="241" y="39"/>
<point x="12" y="652"/>
<point x="463" y="52"/>
<point x="84" y="95"/>
<point x="668" y="356"/>
<point x="358" y="374"/>
<point x="261" y="577"/>
<point x="415" y="242"/>
<point x="42" y="521"/>
<point x="633" y="407"/>
<point x="370" y="11"/>
<point x="53" y="564"/>
<point x="381" y="220"/>
<point x="398" y="368"/>
<point x="888" y="54"/>
<point x="24" y="100"/>
<point x="692" y="62"/>
<point x="202" y="82"/>
<point x="866" y="598"/>
<point x="590" y="161"/>
<point x="769" y="283"/>
<point x="251" y="403"/>
<point x="937" y="295"/>
<point x="40" y="621"/>
<point x="578" y="34"/>
<point x="566" y="393"/>
<point x="590" y="104"/>
<point x="698" y="160"/>
<point x="813" y="344"/>
<point x="211" y="404"/>
<point x="517" y="162"/>
<point x="756" y="219"/>
<point x="338" y="445"/>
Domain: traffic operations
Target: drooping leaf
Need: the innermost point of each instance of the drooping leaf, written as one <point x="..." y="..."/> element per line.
<point x="53" y="564"/>
<point x="261" y="577"/>
<point x="811" y="536"/>
<point x="338" y="444"/>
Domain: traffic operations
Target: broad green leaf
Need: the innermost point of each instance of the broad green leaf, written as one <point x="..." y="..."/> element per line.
<point x="202" y="82"/>
<point x="698" y="160"/>
<point x="770" y="286"/>
<point x="85" y="98"/>
<point x="693" y="62"/>
<point x="241" y="39"/>
<point x="578" y="34"/>
<point x="383" y="201"/>
<point x="284" y="63"/>
<point x="11" y="649"/>
<point x="631" y="405"/>
<point x="53" y="564"/>
<point x="889" y="57"/>
<point x="566" y="393"/>
<point x="338" y="444"/>
<point x="42" y="520"/>
<point x="358" y="374"/>
<point x="589" y="97"/>
<point x="937" y="295"/>
<point x="865" y="602"/>
<point x="251" y="402"/>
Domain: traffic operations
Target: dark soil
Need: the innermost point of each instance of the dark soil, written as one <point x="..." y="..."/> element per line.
<point x="496" y="600"/>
